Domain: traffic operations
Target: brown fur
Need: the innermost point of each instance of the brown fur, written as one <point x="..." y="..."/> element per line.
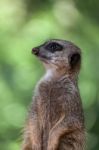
<point x="56" y="120"/>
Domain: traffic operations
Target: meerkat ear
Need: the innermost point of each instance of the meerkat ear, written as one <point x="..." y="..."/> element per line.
<point x="75" y="60"/>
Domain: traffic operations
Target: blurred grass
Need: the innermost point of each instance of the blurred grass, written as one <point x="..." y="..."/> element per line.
<point x="25" y="24"/>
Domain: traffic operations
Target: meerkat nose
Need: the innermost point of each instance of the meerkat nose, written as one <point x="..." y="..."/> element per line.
<point x="35" y="51"/>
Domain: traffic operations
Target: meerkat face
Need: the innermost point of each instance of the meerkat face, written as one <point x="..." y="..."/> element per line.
<point x="59" y="54"/>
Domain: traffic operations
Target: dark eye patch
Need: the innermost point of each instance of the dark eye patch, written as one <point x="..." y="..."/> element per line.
<point x="53" y="47"/>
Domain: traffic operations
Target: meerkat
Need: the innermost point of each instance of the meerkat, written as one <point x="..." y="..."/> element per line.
<point x="56" y="120"/>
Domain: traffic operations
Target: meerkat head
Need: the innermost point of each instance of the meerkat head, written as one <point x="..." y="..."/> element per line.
<point x="59" y="55"/>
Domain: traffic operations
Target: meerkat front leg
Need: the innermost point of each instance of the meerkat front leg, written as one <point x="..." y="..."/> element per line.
<point x="65" y="127"/>
<point x="32" y="137"/>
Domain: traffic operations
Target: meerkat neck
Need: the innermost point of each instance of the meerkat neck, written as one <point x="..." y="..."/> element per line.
<point x="49" y="75"/>
<point x="54" y="75"/>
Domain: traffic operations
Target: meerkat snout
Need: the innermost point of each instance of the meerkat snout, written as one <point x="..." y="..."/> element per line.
<point x="59" y="54"/>
<point x="35" y="51"/>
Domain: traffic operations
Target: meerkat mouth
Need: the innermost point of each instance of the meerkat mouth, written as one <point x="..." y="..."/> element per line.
<point x="44" y="59"/>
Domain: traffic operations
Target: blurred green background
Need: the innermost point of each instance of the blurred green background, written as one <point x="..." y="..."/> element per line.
<point x="27" y="23"/>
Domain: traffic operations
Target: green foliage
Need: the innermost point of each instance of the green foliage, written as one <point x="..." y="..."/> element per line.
<point x="25" y="24"/>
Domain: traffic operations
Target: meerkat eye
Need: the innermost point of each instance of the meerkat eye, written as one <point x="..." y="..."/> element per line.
<point x="75" y="60"/>
<point x="52" y="47"/>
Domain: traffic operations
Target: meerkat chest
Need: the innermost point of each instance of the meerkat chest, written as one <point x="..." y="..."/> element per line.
<point x="51" y="103"/>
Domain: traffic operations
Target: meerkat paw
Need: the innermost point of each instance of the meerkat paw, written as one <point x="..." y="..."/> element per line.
<point x="52" y="143"/>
